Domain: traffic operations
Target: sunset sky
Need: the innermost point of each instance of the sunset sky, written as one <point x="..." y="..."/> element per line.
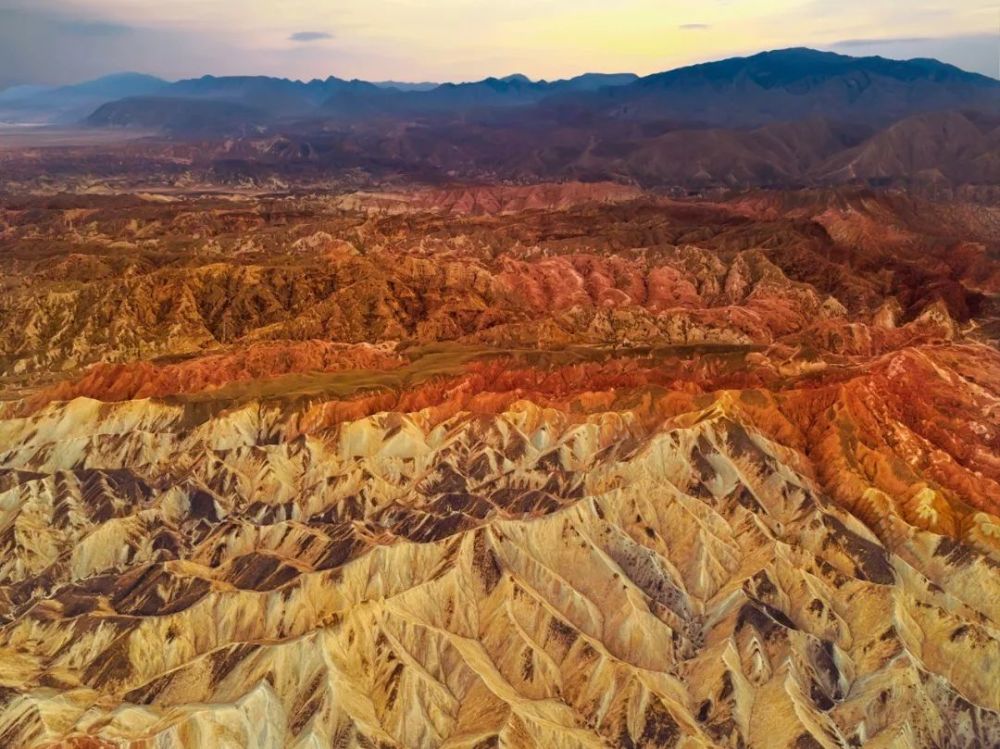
<point x="58" y="41"/>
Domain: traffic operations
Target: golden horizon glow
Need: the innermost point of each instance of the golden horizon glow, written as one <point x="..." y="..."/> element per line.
<point x="470" y="39"/>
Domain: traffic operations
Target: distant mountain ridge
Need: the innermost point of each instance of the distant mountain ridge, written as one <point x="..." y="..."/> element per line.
<point x="780" y="85"/>
<point x="407" y="85"/>
<point x="776" y="86"/>
<point x="70" y="104"/>
<point x="793" y="116"/>
<point x="274" y="98"/>
<point x="788" y="66"/>
<point x="797" y="83"/>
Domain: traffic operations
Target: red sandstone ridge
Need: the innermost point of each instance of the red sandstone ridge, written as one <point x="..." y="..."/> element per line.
<point x="259" y="361"/>
<point x="491" y="200"/>
<point x="560" y="465"/>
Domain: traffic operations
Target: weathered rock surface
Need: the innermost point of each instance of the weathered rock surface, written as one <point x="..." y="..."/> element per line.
<point x="483" y="472"/>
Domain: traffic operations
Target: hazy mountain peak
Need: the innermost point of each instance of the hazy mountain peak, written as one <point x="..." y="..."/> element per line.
<point x="407" y="85"/>
<point x="771" y="86"/>
<point x="782" y="67"/>
<point x="15" y="93"/>
<point x="116" y="84"/>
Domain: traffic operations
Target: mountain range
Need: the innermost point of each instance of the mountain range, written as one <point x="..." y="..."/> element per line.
<point x="786" y="117"/>
<point x="271" y="99"/>
<point x="774" y="86"/>
<point x="70" y="104"/>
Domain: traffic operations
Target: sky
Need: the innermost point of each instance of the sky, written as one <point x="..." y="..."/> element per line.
<point x="65" y="41"/>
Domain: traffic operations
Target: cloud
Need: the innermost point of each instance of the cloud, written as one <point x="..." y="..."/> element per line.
<point x="309" y="36"/>
<point x="694" y="26"/>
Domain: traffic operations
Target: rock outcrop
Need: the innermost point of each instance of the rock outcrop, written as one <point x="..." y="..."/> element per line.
<point x="523" y="470"/>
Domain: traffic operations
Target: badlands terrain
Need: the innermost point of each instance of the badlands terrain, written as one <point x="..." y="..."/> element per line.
<point x="558" y="465"/>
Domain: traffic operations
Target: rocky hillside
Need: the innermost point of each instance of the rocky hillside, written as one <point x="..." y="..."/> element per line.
<point x="559" y="465"/>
